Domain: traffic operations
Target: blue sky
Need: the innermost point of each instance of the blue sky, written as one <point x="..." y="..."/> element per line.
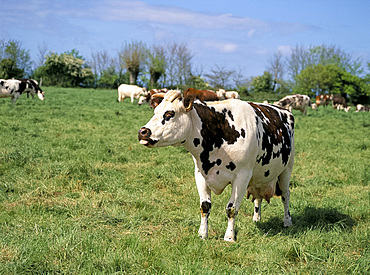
<point x="234" y="34"/>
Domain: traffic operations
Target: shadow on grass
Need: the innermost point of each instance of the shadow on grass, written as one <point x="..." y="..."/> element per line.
<point x="323" y="219"/>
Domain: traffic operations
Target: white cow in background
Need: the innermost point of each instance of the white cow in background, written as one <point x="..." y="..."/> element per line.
<point x="131" y="91"/>
<point x="223" y="94"/>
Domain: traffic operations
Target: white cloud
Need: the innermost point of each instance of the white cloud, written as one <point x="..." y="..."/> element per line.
<point x="220" y="46"/>
<point x="285" y="50"/>
<point x="138" y="11"/>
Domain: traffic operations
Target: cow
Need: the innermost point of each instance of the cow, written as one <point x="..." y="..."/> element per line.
<point x="156" y="99"/>
<point x="192" y="94"/>
<point x="297" y="102"/>
<point x="247" y="145"/>
<point x="323" y="100"/>
<point x="232" y="94"/>
<point x="223" y="94"/>
<point x="339" y="102"/>
<point x="147" y="98"/>
<point x="341" y="107"/>
<point x="14" y="88"/>
<point x="362" y="108"/>
<point x="33" y="88"/>
<point x="132" y="91"/>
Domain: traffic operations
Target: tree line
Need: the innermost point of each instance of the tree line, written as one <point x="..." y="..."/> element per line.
<point x="307" y="70"/>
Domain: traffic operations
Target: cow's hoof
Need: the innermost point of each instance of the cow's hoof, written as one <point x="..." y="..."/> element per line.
<point x="229" y="239"/>
<point x="288" y="222"/>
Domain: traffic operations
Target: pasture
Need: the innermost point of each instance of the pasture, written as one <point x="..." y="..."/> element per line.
<point x="80" y="195"/>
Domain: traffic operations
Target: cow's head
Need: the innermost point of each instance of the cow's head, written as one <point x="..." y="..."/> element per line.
<point x="41" y="95"/>
<point x="170" y="124"/>
<point x="2" y="83"/>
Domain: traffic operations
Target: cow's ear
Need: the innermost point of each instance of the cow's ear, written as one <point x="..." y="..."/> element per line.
<point x="188" y="102"/>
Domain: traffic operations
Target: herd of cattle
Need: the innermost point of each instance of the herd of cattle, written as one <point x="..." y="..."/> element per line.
<point x="14" y="88"/>
<point x="297" y="101"/>
<point x="249" y="146"/>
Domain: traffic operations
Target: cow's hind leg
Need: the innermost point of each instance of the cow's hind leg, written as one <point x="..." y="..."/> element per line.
<point x="283" y="185"/>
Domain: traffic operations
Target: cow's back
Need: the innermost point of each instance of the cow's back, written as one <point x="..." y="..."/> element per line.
<point x="253" y="136"/>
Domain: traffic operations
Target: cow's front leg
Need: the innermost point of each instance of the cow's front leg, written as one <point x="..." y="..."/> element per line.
<point x="205" y="203"/>
<point x="239" y="188"/>
<point x="205" y="210"/>
<point x="257" y="210"/>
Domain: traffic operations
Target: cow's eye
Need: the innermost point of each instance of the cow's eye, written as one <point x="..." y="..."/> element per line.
<point x="167" y="115"/>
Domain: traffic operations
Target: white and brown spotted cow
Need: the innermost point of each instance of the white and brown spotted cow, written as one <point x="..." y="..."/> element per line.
<point x="362" y="108"/>
<point x="323" y="100"/>
<point x="247" y="145"/>
<point x="297" y="102"/>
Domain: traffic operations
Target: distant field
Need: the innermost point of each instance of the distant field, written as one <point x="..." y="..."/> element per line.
<point x="80" y="195"/>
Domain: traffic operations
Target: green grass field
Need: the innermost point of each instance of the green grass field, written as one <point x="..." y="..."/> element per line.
<point x="80" y="195"/>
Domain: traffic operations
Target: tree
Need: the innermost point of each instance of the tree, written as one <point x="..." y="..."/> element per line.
<point x="42" y="50"/>
<point x="8" y="69"/>
<point x="156" y="64"/>
<point x="262" y="83"/>
<point x="219" y="77"/>
<point x="298" y="61"/>
<point x="276" y="69"/>
<point x="178" y="65"/>
<point x="101" y="64"/>
<point x="302" y="58"/>
<point x="133" y="56"/>
<point x="331" y="78"/>
<point x="17" y="61"/>
<point x="316" y="79"/>
<point x="197" y="82"/>
<point x="108" y="78"/>
<point x="65" y="69"/>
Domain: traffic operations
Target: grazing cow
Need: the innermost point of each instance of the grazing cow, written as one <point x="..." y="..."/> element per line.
<point x="132" y="91"/>
<point x="247" y="145"/>
<point x="33" y="88"/>
<point x="339" y="100"/>
<point x="232" y="94"/>
<point x="323" y="100"/>
<point x="341" y="107"/>
<point x="222" y="94"/>
<point x="362" y="108"/>
<point x="297" y="102"/>
<point x="14" y="88"/>
<point x="147" y="98"/>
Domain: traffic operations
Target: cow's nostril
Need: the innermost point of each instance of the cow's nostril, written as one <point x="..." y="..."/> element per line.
<point x="144" y="133"/>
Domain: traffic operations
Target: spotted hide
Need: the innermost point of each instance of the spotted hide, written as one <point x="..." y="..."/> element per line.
<point x="247" y="145"/>
<point x="297" y="102"/>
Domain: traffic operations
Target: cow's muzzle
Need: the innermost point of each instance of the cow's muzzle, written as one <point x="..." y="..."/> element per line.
<point x="144" y="137"/>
